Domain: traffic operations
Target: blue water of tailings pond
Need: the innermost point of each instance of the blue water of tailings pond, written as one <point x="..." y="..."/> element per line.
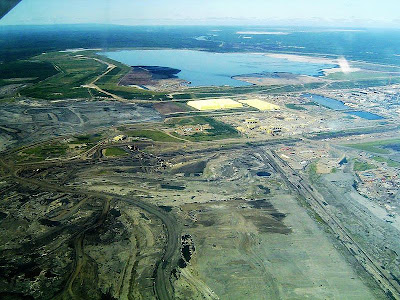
<point x="215" y="69"/>
<point x="327" y="102"/>
<point x="339" y="105"/>
<point x="365" y="115"/>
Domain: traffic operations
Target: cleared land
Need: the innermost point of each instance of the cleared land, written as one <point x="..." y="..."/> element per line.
<point x="171" y="108"/>
<point x="260" y="105"/>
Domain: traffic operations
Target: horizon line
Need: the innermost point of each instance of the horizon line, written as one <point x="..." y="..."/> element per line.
<point x="208" y="25"/>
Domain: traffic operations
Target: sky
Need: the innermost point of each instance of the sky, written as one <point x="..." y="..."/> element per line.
<point x="345" y="13"/>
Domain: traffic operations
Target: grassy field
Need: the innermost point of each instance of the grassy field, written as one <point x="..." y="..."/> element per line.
<point x="113" y="77"/>
<point x="375" y="147"/>
<point x="99" y="95"/>
<point x="389" y="162"/>
<point x="362" y="166"/>
<point x="218" y="131"/>
<point x="155" y="135"/>
<point x="187" y="96"/>
<point x="42" y="152"/>
<point x="115" y="152"/>
<point x="74" y="72"/>
<point x="71" y="72"/>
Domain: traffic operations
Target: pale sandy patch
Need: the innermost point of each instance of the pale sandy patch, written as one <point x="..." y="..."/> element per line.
<point x="303" y="58"/>
<point x="215" y="104"/>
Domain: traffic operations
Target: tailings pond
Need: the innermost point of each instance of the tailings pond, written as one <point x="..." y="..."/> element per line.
<point x="202" y="68"/>
<point x="339" y="105"/>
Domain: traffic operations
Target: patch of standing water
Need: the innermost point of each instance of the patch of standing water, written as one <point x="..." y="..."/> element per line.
<point x="339" y="105"/>
<point x="263" y="174"/>
<point x="327" y="102"/>
<point x="365" y="115"/>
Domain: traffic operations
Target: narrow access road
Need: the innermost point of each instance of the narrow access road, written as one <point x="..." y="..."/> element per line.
<point x="163" y="287"/>
<point x="92" y="85"/>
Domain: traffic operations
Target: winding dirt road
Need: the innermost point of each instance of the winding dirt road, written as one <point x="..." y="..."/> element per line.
<point x="163" y="287"/>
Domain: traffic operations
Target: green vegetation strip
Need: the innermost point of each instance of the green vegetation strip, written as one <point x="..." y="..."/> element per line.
<point x="362" y="166"/>
<point x="349" y="132"/>
<point x="363" y="83"/>
<point x="391" y="163"/>
<point x="294" y="106"/>
<point x="358" y="76"/>
<point x="131" y="93"/>
<point x="375" y="147"/>
<point x="155" y="135"/>
<point x="312" y="172"/>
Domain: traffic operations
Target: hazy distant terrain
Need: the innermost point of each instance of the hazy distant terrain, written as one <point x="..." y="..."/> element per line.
<point x="372" y="45"/>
